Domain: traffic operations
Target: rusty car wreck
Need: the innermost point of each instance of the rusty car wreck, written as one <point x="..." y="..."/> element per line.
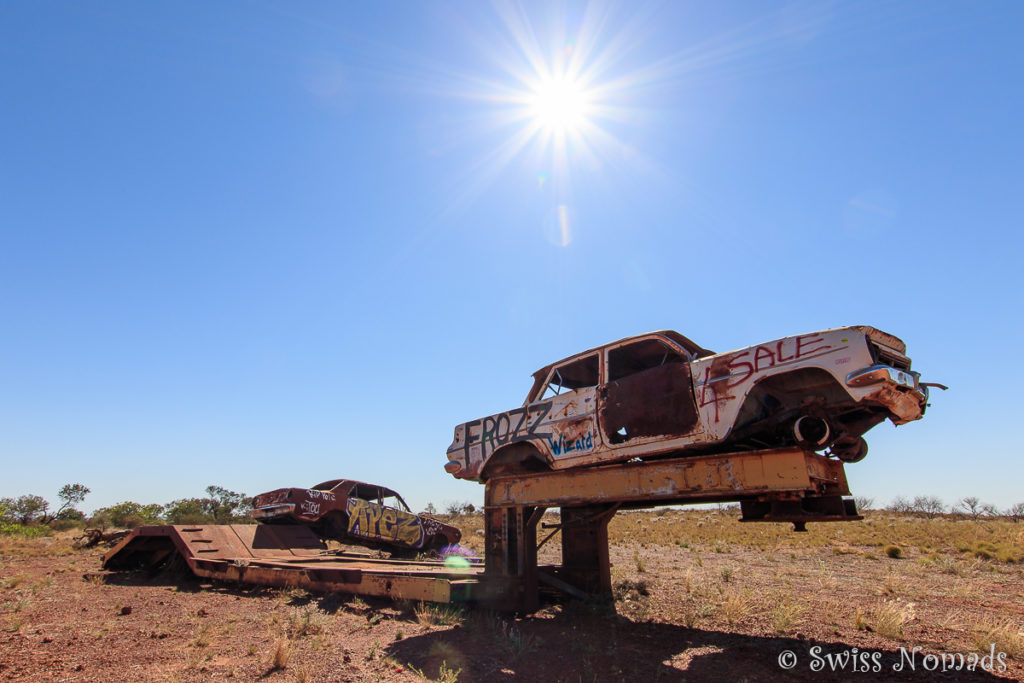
<point x="356" y="512"/>
<point x="660" y="395"/>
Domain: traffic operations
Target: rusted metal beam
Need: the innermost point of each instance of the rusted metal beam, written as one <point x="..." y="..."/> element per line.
<point x="779" y="474"/>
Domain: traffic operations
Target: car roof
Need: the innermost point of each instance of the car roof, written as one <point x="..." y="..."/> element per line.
<point x="685" y="342"/>
<point x="376" y="489"/>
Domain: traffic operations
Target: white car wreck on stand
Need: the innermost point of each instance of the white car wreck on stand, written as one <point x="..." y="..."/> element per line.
<point x="659" y="395"/>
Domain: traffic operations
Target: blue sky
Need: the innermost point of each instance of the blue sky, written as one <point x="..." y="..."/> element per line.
<point x="264" y="244"/>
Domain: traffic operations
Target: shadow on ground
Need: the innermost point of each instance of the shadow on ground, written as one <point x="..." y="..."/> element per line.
<point x="583" y="642"/>
<point x="576" y="645"/>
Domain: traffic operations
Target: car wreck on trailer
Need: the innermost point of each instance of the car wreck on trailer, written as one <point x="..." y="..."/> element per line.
<point x="660" y="395"/>
<point x="356" y="512"/>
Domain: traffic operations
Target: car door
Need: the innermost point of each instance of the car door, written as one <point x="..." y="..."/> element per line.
<point x="372" y="519"/>
<point x="648" y="394"/>
<point x="399" y="525"/>
<point x="569" y="424"/>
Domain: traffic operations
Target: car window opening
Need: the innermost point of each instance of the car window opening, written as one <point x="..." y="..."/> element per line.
<point x="637" y="357"/>
<point x="576" y="374"/>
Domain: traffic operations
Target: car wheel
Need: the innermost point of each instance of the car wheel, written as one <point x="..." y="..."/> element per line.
<point x="850" y="450"/>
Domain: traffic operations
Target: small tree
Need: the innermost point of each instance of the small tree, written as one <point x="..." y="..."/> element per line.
<point x="189" y="511"/>
<point x="928" y="505"/>
<point x="430" y="509"/>
<point x="1015" y="512"/>
<point x="969" y="506"/>
<point x="989" y="510"/>
<point x="226" y="505"/>
<point x="7" y="510"/>
<point x="26" y="509"/>
<point x="863" y="503"/>
<point x="70" y="496"/>
<point x="129" y="514"/>
<point x="899" y="504"/>
<point x="70" y="514"/>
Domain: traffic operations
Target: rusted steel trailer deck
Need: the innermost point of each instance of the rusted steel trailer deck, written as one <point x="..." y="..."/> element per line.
<point x="290" y="556"/>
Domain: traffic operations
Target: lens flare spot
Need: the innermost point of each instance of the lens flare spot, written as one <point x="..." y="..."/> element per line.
<point x="558" y="228"/>
<point x="456" y="563"/>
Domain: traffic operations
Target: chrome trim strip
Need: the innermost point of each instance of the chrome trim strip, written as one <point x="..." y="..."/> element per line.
<point x="271" y="510"/>
<point x="882" y="373"/>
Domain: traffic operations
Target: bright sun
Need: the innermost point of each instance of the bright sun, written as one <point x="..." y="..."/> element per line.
<point x="559" y="105"/>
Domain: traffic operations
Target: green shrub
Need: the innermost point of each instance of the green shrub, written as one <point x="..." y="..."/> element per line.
<point x="128" y="514"/>
<point x="26" y="530"/>
<point x="893" y="551"/>
<point x="65" y="524"/>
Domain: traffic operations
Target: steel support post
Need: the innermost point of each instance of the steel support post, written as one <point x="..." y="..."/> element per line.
<point x="511" y="557"/>
<point x="585" y="562"/>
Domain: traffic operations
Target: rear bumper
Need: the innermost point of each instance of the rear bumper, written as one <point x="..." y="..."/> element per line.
<point x="271" y="511"/>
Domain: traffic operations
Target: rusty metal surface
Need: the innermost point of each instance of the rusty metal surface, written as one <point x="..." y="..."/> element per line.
<point x="657" y="402"/>
<point x="781" y="473"/>
<point x="290" y="556"/>
<point x="781" y="485"/>
<point x="224" y="541"/>
<point x="408" y="582"/>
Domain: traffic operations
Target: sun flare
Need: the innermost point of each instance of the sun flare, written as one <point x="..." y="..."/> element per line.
<point x="559" y="105"/>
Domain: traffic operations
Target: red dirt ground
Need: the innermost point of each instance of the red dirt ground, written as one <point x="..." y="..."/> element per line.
<point x="682" y="613"/>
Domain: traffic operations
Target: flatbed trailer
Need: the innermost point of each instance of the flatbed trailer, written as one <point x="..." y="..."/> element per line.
<point x="780" y="485"/>
<point x="289" y="556"/>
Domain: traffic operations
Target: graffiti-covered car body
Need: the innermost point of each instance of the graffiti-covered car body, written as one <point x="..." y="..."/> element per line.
<point x="355" y="512"/>
<point x="661" y="395"/>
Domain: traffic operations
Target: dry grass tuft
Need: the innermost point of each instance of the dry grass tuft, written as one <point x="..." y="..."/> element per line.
<point x="891" y="616"/>
<point x="13" y="623"/>
<point x="281" y="655"/>
<point x="195" y="659"/>
<point x="306" y="621"/>
<point x="786" y="613"/>
<point x="201" y="637"/>
<point x="514" y="641"/>
<point x="356" y="604"/>
<point x="688" y="580"/>
<point x="433" y="614"/>
<point x="892" y="584"/>
<point x="1005" y="636"/>
<point x="641" y="566"/>
<point x="15" y="581"/>
<point x="694" y="612"/>
<point x="734" y="607"/>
